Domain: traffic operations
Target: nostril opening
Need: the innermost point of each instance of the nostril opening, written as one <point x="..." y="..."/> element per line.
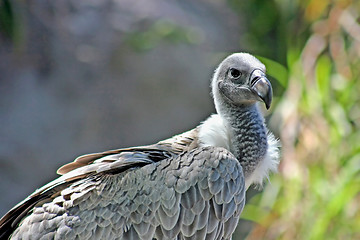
<point x="254" y="80"/>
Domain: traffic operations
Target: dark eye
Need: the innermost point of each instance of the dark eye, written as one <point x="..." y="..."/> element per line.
<point x="234" y="73"/>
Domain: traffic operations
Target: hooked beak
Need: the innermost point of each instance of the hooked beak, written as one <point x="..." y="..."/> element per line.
<point x="261" y="86"/>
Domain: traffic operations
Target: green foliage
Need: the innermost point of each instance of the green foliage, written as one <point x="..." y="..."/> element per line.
<point x="7" y="25"/>
<point x="264" y="29"/>
<point x="275" y="70"/>
<point x="11" y="26"/>
<point x="316" y="193"/>
<point x="162" y="30"/>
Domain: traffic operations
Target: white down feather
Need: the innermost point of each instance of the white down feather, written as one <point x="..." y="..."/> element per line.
<point x="214" y="132"/>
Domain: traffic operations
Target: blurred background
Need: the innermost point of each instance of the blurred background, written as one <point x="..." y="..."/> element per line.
<point x="85" y="76"/>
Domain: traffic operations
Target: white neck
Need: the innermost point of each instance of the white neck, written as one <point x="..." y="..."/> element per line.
<point x="216" y="132"/>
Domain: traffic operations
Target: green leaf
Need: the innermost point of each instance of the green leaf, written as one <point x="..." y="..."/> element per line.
<point x="323" y="71"/>
<point x="254" y="213"/>
<point x="276" y="70"/>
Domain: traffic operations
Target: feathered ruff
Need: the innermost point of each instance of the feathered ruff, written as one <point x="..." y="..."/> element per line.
<point x="215" y="132"/>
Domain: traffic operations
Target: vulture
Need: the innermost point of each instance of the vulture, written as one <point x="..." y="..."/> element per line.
<point x="190" y="186"/>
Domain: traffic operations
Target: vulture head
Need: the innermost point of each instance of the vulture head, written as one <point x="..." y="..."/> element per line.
<point x="240" y="81"/>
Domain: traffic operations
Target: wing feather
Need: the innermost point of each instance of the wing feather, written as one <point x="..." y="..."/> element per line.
<point x="191" y="195"/>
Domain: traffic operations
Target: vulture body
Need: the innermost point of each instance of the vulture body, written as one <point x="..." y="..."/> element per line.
<point x="190" y="186"/>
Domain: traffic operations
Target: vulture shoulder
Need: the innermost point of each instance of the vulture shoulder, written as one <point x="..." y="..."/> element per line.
<point x="163" y="149"/>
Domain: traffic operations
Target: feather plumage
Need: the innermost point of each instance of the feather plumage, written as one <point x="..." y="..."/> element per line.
<point x="189" y="186"/>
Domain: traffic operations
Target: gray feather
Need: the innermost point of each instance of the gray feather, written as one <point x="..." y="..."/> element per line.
<point x="187" y="187"/>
